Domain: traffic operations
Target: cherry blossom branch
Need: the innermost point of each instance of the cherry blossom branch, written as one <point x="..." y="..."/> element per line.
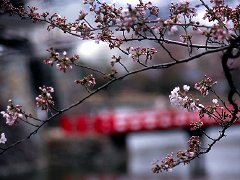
<point x="142" y="23"/>
<point x="89" y="68"/>
<point x="34" y="125"/>
<point x="45" y="100"/>
<point x="205" y="134"/>
<point x="56" y="21"/>
<point x="194" y="151"/>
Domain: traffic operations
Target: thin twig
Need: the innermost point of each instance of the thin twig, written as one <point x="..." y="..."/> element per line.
<point x="158" y="66"/>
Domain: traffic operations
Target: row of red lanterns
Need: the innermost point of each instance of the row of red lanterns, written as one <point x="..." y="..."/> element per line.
<point x="112" y="122"/>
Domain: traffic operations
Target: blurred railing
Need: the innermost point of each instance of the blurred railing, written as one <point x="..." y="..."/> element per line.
<point x="124" y="122"/>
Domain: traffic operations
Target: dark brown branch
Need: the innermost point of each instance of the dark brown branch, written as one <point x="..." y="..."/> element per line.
<point x="227" y="71"/>
<point x="158" y="66"/>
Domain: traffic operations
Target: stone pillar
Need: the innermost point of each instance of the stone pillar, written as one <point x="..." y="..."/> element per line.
<point x="16" y="85"/>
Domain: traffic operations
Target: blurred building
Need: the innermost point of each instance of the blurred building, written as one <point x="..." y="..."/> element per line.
<point x="16" y="77"/>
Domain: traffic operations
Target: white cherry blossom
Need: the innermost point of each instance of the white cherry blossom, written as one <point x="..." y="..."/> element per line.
<point x="3" y="139"/>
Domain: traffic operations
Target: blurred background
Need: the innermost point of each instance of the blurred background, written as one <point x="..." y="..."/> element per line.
<point x="119" y="132"/>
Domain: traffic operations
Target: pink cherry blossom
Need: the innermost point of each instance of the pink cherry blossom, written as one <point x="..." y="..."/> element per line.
<point x="45" y="100"/>
<point x="12" y="114"/>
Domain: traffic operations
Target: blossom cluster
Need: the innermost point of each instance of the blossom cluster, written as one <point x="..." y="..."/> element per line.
<point x="196" y="125"/>
<point x="204" y="85"/>
<point x="87" y="81"/>
<point x="45" y="100"/>
<point x="219" y="33"/>
<point x="57" y="21"/>
<point x="186" y="38"/>
<point x="182" y="8"/>
<point x="115" y="59"/>
<point x="194" y="144"/>
<point x="13" y="113"/>
<point x="180" y="99"/>
<point x="127" y="20"/>
<point x="224" y="13"/>
<point x="137" y="52"/>
<point x="185" y="156"/>
<point x="112" y="75"/>
<point x="62" y="63"/>
<point x="166" y="164"/>
<point x="136" y="20"/>
<point x="169" y="162"/>
<point x="209" y="110"/>
<point x="216" y="112"/>
<point x="106" y="16"/>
